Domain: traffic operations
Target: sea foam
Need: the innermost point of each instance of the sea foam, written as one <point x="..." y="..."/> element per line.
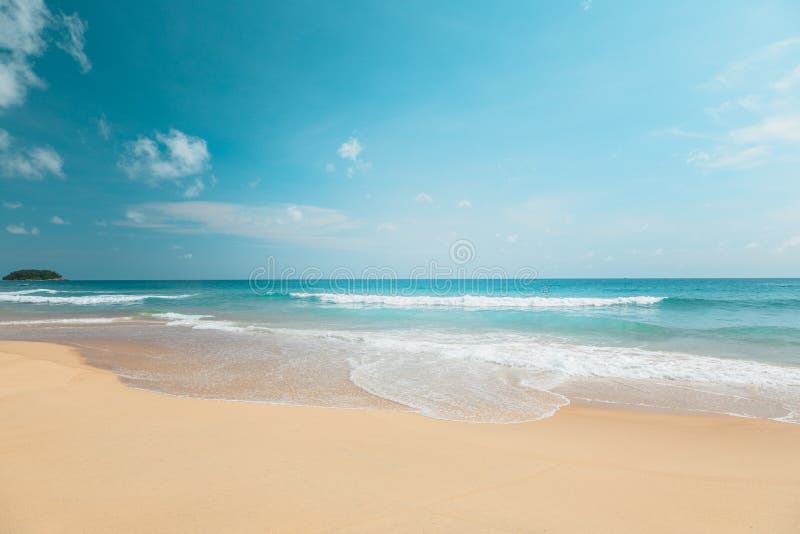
<point x="477" y="301"/>
<point x="25" y="297"/>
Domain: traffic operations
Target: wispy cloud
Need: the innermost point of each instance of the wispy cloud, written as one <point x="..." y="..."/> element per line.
<point x="194" y="189"/>
<point x="55" y="219"/>
<point x="423" y="197"/>
<point x="783" y="129"/>
<point x="387" y="227"/>
<point x="28" y="163"/>
<point x="103" y="127"/>
<point x="12" y="205"/>
<point x="738" y="159"/>
<point x="791" y="242"/>
<point x="24" y="37"/>
<point x="73" y="39"/>
<point x="21" y="229"/>
<point x="281" y="222"/>
<point x="464" y="204"/>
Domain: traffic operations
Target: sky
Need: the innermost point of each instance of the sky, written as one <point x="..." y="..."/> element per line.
<point x="199" y="139"/>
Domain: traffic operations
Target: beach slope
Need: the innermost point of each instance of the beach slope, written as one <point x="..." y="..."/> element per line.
<point x="80" y="452"/>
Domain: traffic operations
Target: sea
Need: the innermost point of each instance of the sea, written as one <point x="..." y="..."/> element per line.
<point x="480" y="350"/>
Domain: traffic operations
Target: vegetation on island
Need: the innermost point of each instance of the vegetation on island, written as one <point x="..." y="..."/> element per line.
<point x="33" y="274"/>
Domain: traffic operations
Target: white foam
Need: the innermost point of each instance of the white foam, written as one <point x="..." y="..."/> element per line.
<point x="76" y="320"/>
<point x="85" y="300"/>
<point x="477" y="301"/>
<point x="29" y="291"/>
<point x="199" y="322"/>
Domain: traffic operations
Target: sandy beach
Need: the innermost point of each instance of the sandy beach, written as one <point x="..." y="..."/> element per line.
<point x="83" y="453"/>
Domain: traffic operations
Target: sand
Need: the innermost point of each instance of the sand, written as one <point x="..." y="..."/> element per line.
<point x="80" y="452"/>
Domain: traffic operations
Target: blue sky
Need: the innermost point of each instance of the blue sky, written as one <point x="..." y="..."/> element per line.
<point x="195" y="139"/>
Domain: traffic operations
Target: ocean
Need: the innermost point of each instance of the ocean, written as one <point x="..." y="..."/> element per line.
<point x="483" y="351"/>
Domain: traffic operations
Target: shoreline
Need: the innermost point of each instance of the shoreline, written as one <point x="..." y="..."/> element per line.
<point x="83" y="452"/>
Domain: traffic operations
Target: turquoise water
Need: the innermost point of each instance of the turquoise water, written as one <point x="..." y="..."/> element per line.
<point x="476" y="350"/>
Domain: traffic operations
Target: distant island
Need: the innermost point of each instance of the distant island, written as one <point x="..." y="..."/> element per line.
<point x="33" y="274"/>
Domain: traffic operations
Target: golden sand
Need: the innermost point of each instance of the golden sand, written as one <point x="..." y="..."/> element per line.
<point x="80" y="452"/>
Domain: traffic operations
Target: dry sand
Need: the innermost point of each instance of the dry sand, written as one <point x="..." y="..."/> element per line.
<point x="80" y="452"/>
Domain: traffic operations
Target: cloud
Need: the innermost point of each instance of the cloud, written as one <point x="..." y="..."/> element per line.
<point x="740" y="159"/>
<point x="31" y="163"/>
<point x="789" y="81"/>
<point x="387" y="227"/>
<point x="187" y="256"/>
<point x="281" y="222"/>
<point x="464" y="204"/>
<point x="751" y="245"/>
<point x="254" y="183"/>
<point x="73" y="39"/>
<point x="194" y="189"/>
<point x="55" y="219"/>
<point x="23" y="37"/>
<point x="169" y="156"/>
<point x="658" y="252"/>
<point x="784" y="129"/>
<point x="350" y="149"/>
<point x="423" y="197"/>
<point x="736" y="72"/>
<point x="586" y="5"/>
<point x="103" y="127"/>
<point x="330" y="167"/>
<point x="21" y="229"/>
<point x="791" y="242"/>
<point x="12" y="205"/>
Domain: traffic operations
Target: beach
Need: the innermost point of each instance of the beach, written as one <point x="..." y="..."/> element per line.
<point x="81" y="452"/>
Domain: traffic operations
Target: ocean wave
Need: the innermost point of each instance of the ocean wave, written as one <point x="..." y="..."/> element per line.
<point x="85" y="300"/>
<point x="199" y="322"/>
<point x="69" y="321"/>
<point x="478" y="301"/>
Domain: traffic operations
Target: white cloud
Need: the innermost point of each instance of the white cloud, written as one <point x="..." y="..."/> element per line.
<point x="737" y="72"/>
<point x="350" y="149"/>
<point x="103" y="127"/>
<point x="254" y="183"/>
<point x="740" y="159"/>
<point x="658" y="252"/>
<point x="779" y="129"/>
<point x="294" y="213"/>
<point x="387" y="227"/>
<point x="789" y="81"/>
<point x="187" y="256"/>
<point x="299" y="223"/>
<point x="73" y="39"/>
<point x="12" y="205"/>
<point x="169" y="156"/>
<point x="792" y="242"/>
<point x="21" y="229"/>
<point x="423" y="197"/>
<point x="586" y="5"/>
<point x="330" y="167"/>
<point x="55" y="219"/>
<point x="23" y="26"/>
<point x="751" y="245"/>
<point x="194" y="189"/>
<point x="31" y="163"/>
<point x="464" y="204"/>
